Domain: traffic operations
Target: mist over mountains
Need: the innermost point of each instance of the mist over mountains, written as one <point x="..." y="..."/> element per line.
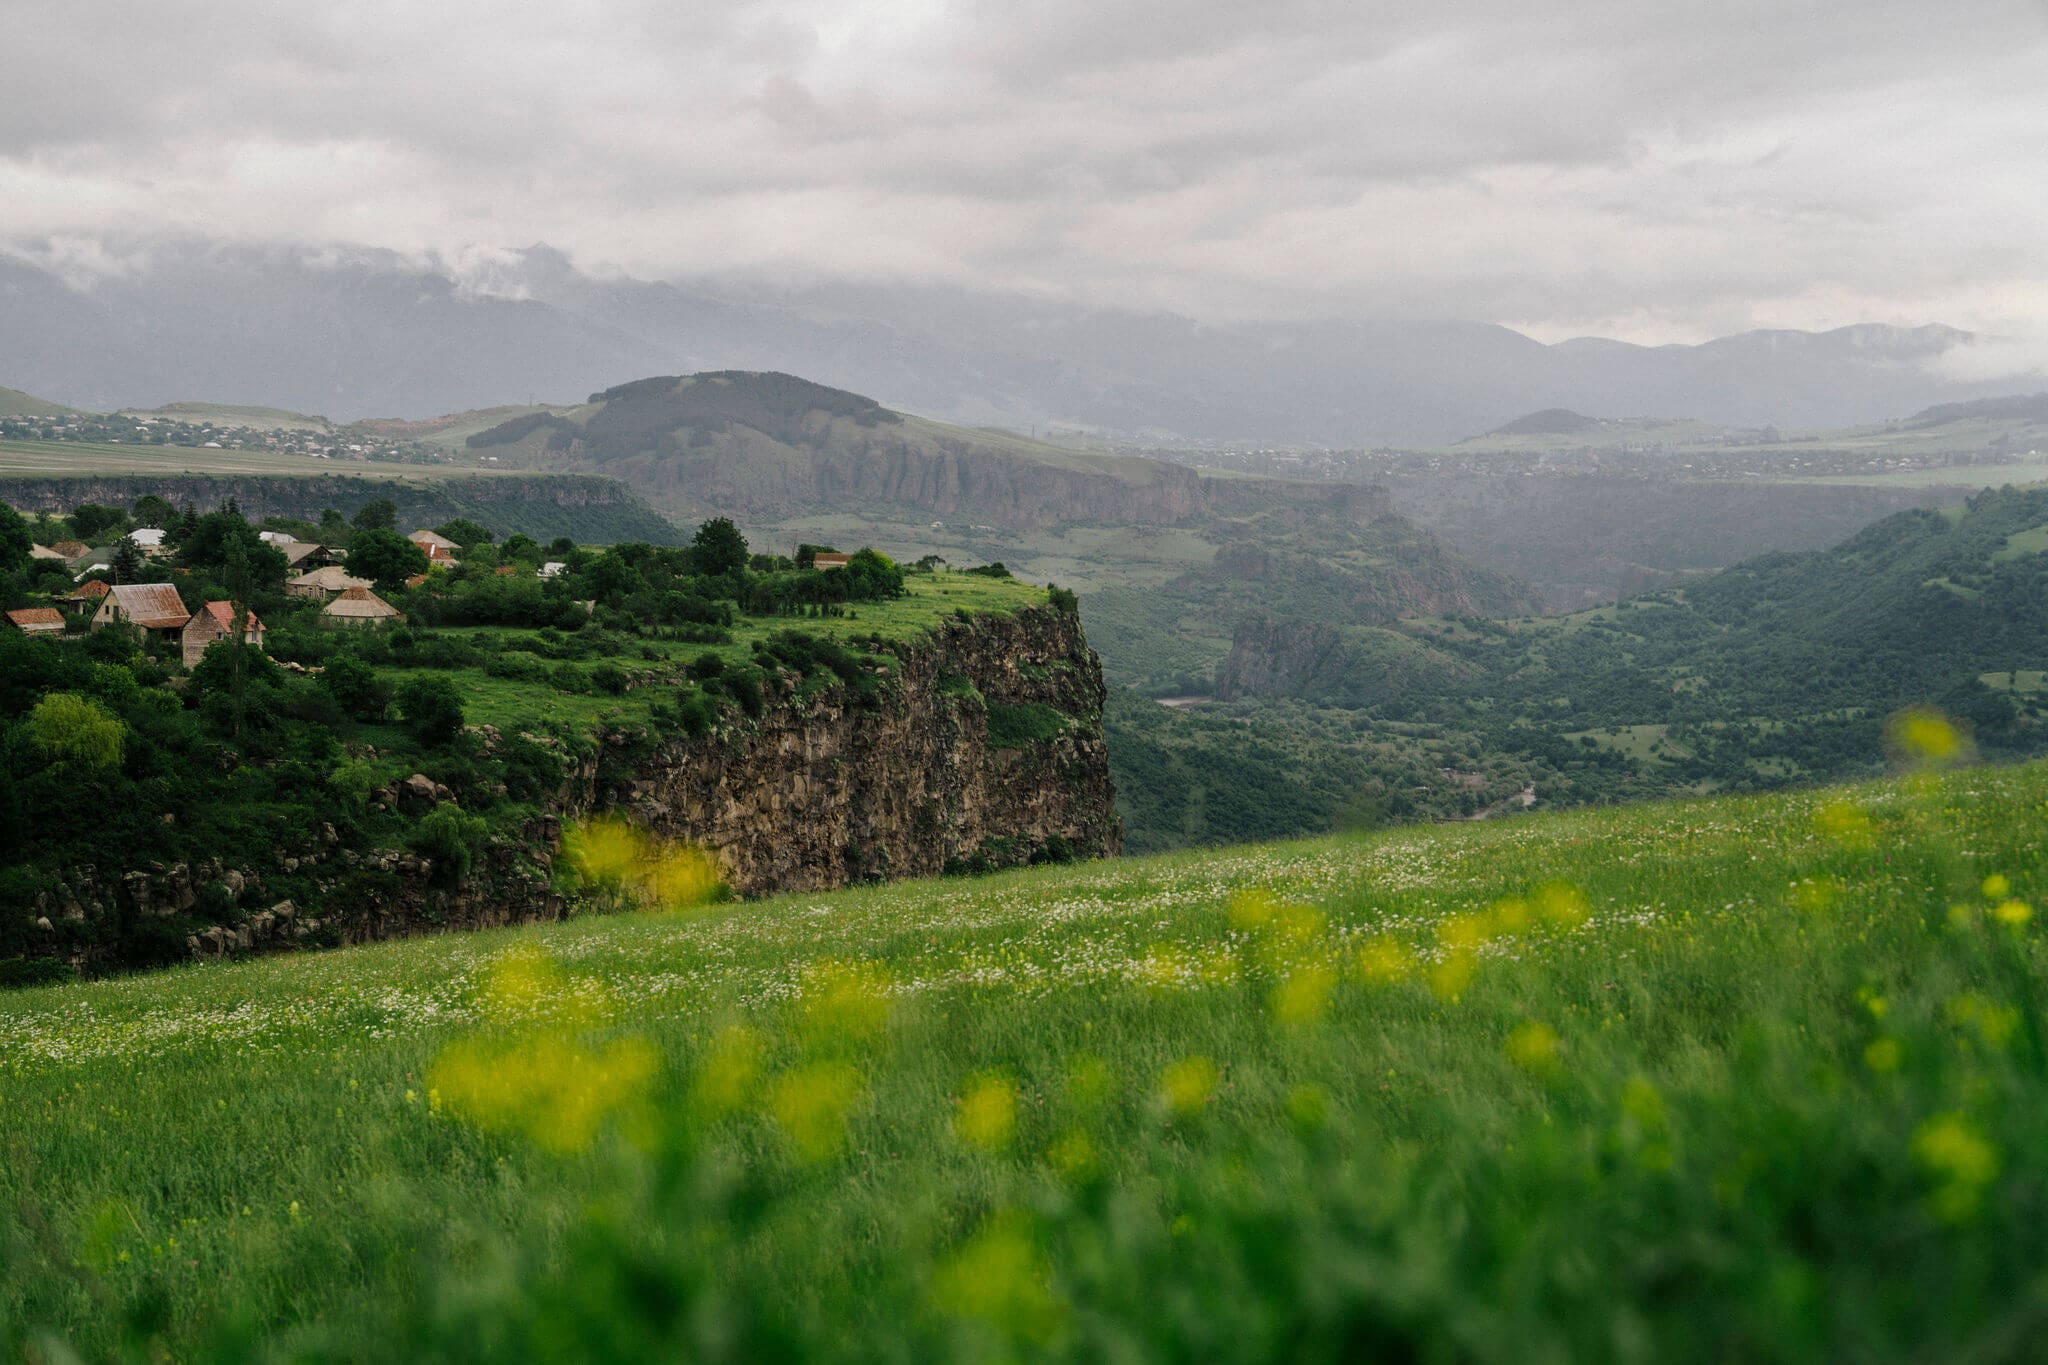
<point x="355" y="332"/>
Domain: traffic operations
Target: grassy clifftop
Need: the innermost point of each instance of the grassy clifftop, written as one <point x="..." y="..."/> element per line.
<point x="1759" y="1078"/>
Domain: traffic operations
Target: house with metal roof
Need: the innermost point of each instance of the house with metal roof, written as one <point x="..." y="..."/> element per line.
<point x="153" y="608"/>
<point x="323" y="582"/>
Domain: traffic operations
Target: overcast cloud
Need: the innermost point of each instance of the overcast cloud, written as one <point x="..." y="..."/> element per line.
<point x="1649" y="169"/>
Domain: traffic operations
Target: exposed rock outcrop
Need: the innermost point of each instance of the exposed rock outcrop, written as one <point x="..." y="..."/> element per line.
<point x="826" y="790"/>
<point x="981" y="746"/>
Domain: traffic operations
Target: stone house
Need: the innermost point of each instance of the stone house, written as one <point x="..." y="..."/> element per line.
<point x="153" y="608"/>
<point x="215" y="621"/>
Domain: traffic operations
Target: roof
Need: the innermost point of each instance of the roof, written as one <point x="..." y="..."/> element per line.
<point x="333" y="578"/>
<point x="154" y="606"/>
<point x="91" y="590"/>
<point x="224" y="613"/>
<point x="44" y="552"/>
<point x="37" y="616"/>
<point x="359" y="602"/>
<point x="832" y="560"/>
<point x="149" y="537"/>
<point x="296" y="550"/>
<point x="415" y="580"/>
<point x="431" y="538"/>
<point x="72" y="549"/>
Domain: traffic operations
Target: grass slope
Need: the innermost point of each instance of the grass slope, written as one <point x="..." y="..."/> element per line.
<point x="235" y="415"/>
<point x="15" y="403"/>
<point x="1750" y="1079"/>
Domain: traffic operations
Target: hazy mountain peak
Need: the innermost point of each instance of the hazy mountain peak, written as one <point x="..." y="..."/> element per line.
<point x="352" y="331"/>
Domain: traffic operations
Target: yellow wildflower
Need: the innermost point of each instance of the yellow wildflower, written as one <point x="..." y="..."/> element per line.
<point x="1303" y="999"/>
<point x="986" y="1116"/>
<point x="811" y="1106"/>
<point x="1961" y="1162"/>
<point x="1187" y="1085"/>
<point x="1533" y="1046"/>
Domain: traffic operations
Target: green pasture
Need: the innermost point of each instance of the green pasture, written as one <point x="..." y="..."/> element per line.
<point x="1752" y="1079"/>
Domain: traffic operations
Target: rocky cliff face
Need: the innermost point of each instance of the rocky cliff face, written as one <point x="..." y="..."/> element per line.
<point x="984" y="750"/>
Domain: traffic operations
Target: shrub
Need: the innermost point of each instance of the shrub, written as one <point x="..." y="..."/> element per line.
<point x="610" y="678"/>
<point x="450" y="836"/>
<point x="1013" y="727"/>
<point x="74" y="732"/>
<point x="432" y="710"/>
<point x="355" y="687"/>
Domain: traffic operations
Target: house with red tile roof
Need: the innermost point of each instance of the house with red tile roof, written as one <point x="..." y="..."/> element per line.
<point x="37" y="620"/>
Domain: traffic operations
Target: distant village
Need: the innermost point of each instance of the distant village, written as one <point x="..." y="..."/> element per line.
<point x="356" y="442"/>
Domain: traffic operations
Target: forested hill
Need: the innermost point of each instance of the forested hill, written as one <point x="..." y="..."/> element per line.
<point x="1784" y="668"/>
<point x="764" y="447"/>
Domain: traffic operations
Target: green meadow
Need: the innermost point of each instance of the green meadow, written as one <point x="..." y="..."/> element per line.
<point x="1749" y="1079"/>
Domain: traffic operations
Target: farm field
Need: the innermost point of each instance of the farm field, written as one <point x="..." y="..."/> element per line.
<point x="1756" y="1078"/>
<point x="60" y="459"/>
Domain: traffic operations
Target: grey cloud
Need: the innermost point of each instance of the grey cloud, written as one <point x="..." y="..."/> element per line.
<point x="1673" y="166"/>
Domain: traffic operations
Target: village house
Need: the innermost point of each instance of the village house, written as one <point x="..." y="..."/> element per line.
<point x="323" y="582"/>
<point x="86" y="594"/>
<point x="360" y="607"/>
<point x="215" y="621"/>
<point x="148" y="539"/>
<point x="830" y="560"/>
<point x="303" y="556"/>
<point x="553" y="568"/>
<point x="153" y="608"/>
<point x="439" y="549"/>
<point x="37" y="620"/>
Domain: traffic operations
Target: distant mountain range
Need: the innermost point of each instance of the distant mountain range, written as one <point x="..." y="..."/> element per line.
<point x="352" y="333"/>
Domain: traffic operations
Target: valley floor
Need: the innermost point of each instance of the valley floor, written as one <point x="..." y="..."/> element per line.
<point x="1753" y="1078"/>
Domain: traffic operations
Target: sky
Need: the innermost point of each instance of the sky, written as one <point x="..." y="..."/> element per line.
<point x="1646" y="169"/>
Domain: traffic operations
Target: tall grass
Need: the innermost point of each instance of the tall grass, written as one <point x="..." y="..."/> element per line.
<point x="1745" y="1079"/>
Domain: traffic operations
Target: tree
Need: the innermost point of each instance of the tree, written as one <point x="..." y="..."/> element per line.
<point x="432" y="710"/>
<point x="213" y="540"/>
<point x="355" y="687"/>
<point x="381" y="515"/>
<point x="333" y="526"/>
<point x="465" y="532"/>
<point x="384" y="557"/>
<point x="719" y="548"/>
<point x="151" y="510"/>
<point x="89" y="520"/>
<point x="74" y="731"/>
<point x="238" y="628"/>
<point x="127" y="564"/>
<point x="14" y="539"/>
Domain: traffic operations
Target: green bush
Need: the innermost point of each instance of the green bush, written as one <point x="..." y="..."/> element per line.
<point x="451" y="837"/>
<point x="1013" y="727"/>
<point x="432" y="710"/>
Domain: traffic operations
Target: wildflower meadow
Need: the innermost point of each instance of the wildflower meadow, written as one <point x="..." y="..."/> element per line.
<point x="1754" y="1078"/>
